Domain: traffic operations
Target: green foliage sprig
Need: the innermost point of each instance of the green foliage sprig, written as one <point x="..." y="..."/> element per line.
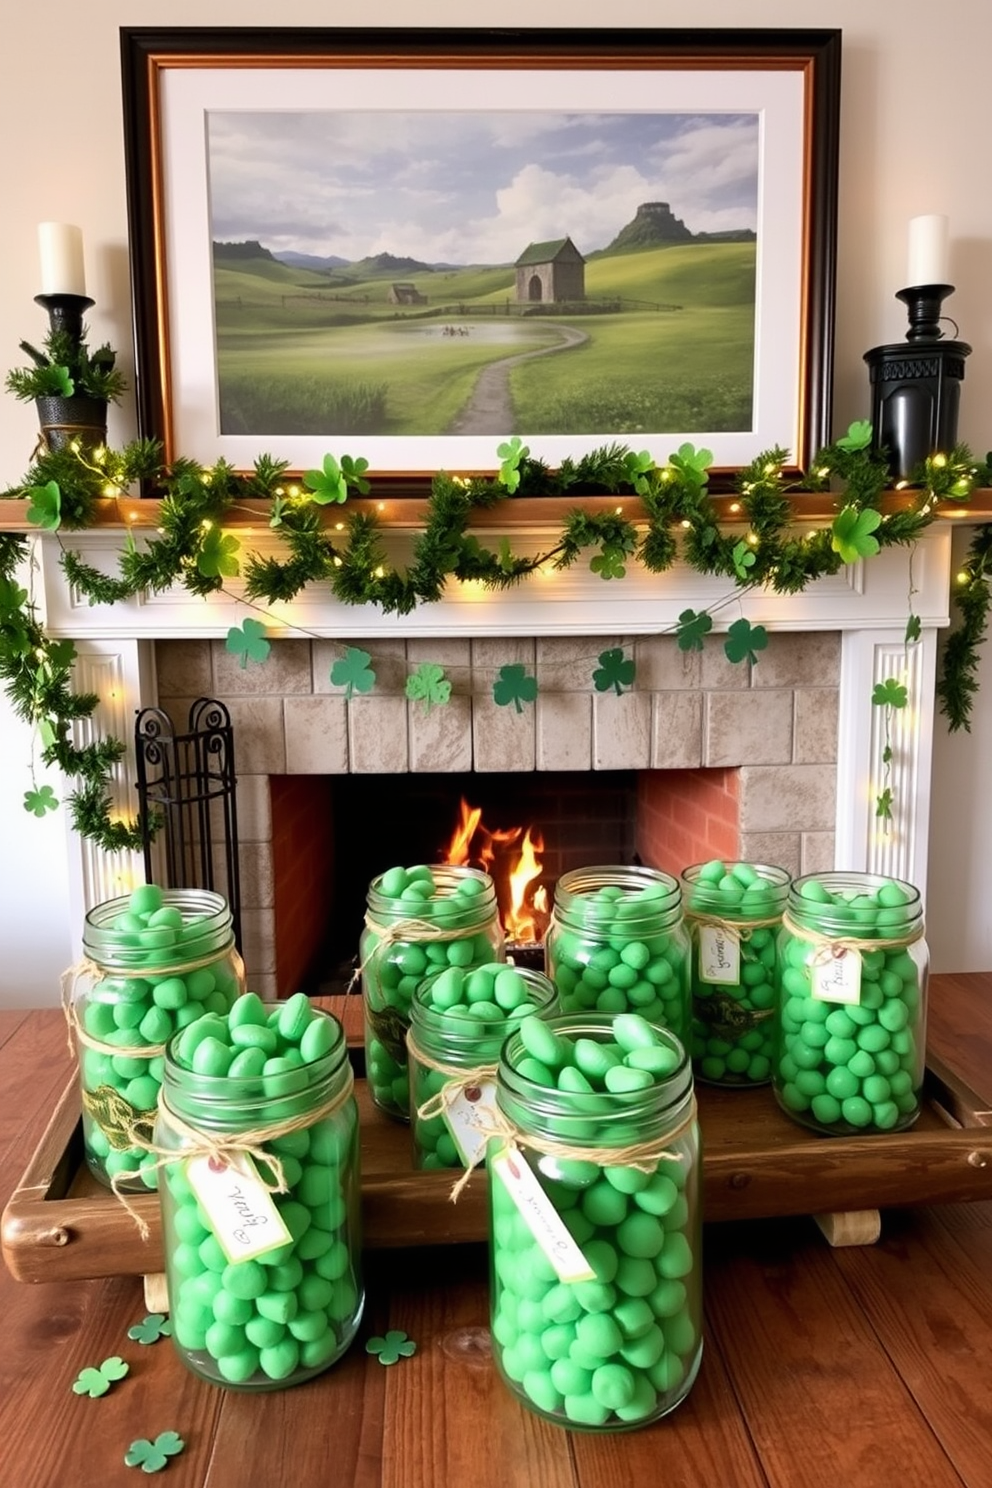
<point x="66" y="368"/>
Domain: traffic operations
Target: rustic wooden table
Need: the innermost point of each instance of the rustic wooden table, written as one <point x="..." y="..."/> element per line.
<point x="867" y="1367"/>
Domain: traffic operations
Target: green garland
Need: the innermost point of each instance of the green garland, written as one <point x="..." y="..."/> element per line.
<point x="193" y="549"/>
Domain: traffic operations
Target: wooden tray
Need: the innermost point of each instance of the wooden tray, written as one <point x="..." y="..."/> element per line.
<point x="61" y="1225"/>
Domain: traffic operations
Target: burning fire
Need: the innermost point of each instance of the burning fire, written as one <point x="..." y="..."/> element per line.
<point x="511" y="856"/>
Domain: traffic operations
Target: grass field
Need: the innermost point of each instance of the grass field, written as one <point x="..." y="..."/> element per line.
<point x="298" y="353"/>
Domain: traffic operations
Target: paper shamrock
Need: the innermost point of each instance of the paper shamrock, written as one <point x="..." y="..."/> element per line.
<point x="858" y="436"/>
<point x="889" y="694"/>
<point x="327" y="484"/>
<point x="692" y="464"/>
<point x="353" y="672"/>
<point x="744" y="640"/>
<point x="691" y="629"/>
<point x="743" y="559"/>
<point x="153" y="1456"/>
<point x="46" y="506"/>
<point x="151" y="1328"/>
<point x="428" y="685"/>
<point x="615" y="670"/>
<point x="40" y="801"/>
<point x="609" y="563"/>
<point x="514" y="686"/>
<point x="216" y="556"/>
<point x="637" y="467"/>
<point x="511" y="453"/>
<point x="852" y="533"/>
<point x="97" y="1381"/>
<point x="395" y="1346"/>
<point x="248" y="641"/>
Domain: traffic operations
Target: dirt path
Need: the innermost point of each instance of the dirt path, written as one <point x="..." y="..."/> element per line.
<point x="489" y="410"/>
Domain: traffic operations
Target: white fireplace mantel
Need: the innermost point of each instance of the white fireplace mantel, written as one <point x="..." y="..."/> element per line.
<point x="867" y="602"/>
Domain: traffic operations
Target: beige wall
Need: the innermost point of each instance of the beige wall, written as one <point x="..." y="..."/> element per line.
<point x="914" y="139"/>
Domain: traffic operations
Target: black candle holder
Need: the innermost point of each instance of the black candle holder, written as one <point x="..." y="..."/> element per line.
<point x="65" y="312"/>
<point x="916" y="385"/>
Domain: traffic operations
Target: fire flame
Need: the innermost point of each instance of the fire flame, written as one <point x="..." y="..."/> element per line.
<point x="511" y="856"/>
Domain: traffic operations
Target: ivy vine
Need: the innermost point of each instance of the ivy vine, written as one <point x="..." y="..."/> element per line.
<point x="192" y="548"/>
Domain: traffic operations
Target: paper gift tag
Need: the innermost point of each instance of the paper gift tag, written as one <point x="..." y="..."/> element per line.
<point x="238" y="1206"/>
<point x="542" y="1217"/>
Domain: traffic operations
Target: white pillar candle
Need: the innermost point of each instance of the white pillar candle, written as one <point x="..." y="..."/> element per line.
<point x="61" y="248"/>
<point x="928" y="256"/>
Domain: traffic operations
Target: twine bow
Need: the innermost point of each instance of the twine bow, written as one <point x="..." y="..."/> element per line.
<point x="831" y="947"/>
<point x="412" y="930"/>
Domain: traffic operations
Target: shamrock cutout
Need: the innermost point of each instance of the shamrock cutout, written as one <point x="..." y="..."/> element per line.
<point x="852" y="533"/>
<point x="609" y="563"/>
<point x="914" y="629"/>
<point x="692" y="465"/>
<point x="511" y="453"/>
<point x="883" y="804"/>
<point x="637" y="467"/>
<point x="248" y="641"/>
<point x="353" y="672"/>
<point x="392" y="1348"/>
<point x="153" y="1456"/>
<point x="742" y="559"/>
<point x="858" y="436"/>
<point x="889" y="694"/>
<point x="743" y="640"/>
<point x="428" y="685"/>
<point x="514" y="686"/>
<point x="327" y="484"/>
<point x="40" y="801"/>
<point x="354" y="473"/>
<point x="151" y="1328"/>
<point x="615" y="670"/>
<point x="691" y="629"/>
<point x="46" y="506"/>
<point x="216" y="556"/>
<point x="96" y="1382"/>
<point x="12" y="597"/>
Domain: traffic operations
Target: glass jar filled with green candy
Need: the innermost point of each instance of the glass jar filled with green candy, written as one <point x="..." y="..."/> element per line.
<point x="617" y="943"/>
<point x="418" y="920"/>
<point x="458" y="1021"/>
<point x="595" y="1223"/>
<point x="734" y="912"/>
<point x="260" y="1194"/>
<point x="156" y="961"/>
<point x="850" y="1026"/>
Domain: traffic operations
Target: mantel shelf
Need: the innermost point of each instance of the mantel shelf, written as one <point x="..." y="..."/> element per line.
<point x="515" y="514"/>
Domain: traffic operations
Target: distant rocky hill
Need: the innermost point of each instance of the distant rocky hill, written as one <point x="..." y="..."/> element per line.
<point x="311" y="260"/>
<point x="235" y="252"/>
<point x="654" y="225"/>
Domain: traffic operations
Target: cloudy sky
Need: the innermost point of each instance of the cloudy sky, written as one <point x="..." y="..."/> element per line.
<point x="471" y="188"/>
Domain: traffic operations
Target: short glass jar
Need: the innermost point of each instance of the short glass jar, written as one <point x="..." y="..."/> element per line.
<point x="595" y="1234"/>
<point x="734" y="912"/>
<point x="243" y="1315"/>
<point x="458" y="1021"/>
<point x="617" y="942"/>
<point x="155" y="961"/>
<point x="418" y="920"/>
<point x="850" y="1026"/>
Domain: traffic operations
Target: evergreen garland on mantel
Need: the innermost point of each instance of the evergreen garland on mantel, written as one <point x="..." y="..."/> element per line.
<point x="192" y="548"/>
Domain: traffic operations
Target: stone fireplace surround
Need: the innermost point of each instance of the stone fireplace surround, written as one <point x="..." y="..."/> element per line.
<point x="796" y="734"/>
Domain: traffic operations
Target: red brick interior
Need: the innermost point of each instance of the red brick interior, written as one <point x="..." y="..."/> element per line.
<point x="687" y="816"/>
<point x="303" y="873"/>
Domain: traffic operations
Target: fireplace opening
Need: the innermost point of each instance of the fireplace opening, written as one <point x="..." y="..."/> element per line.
<point x="331" y="835"/>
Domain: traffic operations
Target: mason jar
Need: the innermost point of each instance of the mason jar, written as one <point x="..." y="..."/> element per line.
<point x="418" y="920"/>
<point x="617" y="942"/>
<point x="155" y="961"/>
<point x="458" y="1021"/>
<point x="850" y="1027"/>
<point x="733" y="913"/>
<point x="265" y="1287"/>
<point x="595" y="1260"/>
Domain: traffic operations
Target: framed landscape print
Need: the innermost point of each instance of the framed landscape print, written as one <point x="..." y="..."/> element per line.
<point x="410" y="245"/>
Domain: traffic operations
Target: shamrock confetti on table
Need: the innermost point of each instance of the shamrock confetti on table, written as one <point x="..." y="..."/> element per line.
<point x="153" y="1456"/>
<point x="248" y="641"/>
<point x="514" y="686"/>
<point x="395" y="1346"/>
<point x="615" y="670"/>
<point x="428" y="685"/>
<point x="96" y="1382"/>
<point x="353" y="672"/>
<point x="151" y="1328"/>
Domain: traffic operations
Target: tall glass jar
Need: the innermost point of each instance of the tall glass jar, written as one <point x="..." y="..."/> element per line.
<point x="418" y="920"/>
<point x="155" y="962"/>
<point x="458" y="1021"/>
<point x="617" y="943"/>
<point x="850" y="1036"/>
<point x="265" y="1287"/>
<point x="595" y="1229"/>
<point x="734" y="913"/>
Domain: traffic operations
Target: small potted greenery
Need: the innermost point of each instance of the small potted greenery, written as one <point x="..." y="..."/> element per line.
<point x="70" y="386"/>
